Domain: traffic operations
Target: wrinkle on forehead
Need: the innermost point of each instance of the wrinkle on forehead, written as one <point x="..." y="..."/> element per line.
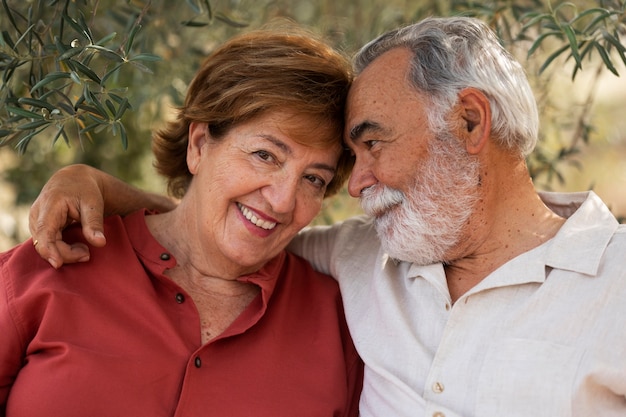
<point x="379" y="87"/>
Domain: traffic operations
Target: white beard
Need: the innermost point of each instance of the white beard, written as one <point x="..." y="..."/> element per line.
<point x="424" y="224"/>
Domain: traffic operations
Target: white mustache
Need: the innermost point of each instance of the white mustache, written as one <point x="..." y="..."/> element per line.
<point x="377" y="199"/>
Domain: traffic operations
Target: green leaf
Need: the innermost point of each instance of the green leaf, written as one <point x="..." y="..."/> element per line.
<point x="90" y="127"/>
<point x="91" y="99"/>
<point x="607" y="60"/>
<point x="35" y="103"/>
<point x="602" y="14"/>
<point x="599" y="19"/>
<point x="106" y="39"/>
<point x="586" y="48"/>
<point x="6" y="38"/>
<point x="552" y="57"/>
<point x="141" y="67"/>
<point x="111" y="72"/>
<point x="108" y="53"/>
<point x="101" y="128"/>
<point x="70" y="53"/>
<point x="59" y="45"/>
<point x="24" y="113"/>
<point x="79" y="30"/>
<point x="123" y="136"/>
<point x="86" y="71"/>
<point x="573" y="43"/>
<point x="23" y="143"/>
<point x="146" y="57"/>
<point x="225" y="19"/>
<point x="33" y="125"/>
<point x="21" y="38"/>
<point x="61" y="133"/>
<point x="533" y="18"/>
<point x="539" y="40"/>
<point x="192" y="4"/>
<point x="124" y="105"/>
<point x="9" y="14"/>
<point x="110" y="106"/>
<point x="67" y="108"/>
<point x="85" y="27"/>
<point x="562" y="5"/>
<point x="208" y="9"/>
<point x="75" y="77"/>
<point x="192" y="24"/>
<point x="53" y="76"/>
<point x="116" y="98"/>
<point x="131" y="38"/>
<point x="621" y="49"/>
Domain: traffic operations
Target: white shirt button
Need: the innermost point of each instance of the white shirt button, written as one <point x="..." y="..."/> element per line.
<point x="438" y="387"/>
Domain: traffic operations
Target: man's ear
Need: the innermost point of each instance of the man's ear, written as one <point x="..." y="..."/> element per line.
<point x="475" y="126"/>
<point x="197" y="139"/>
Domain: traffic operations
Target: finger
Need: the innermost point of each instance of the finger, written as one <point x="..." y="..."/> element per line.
<point x="58" y="252"/>
<point x="45" y="241"/>
<point x="92" y="218"/>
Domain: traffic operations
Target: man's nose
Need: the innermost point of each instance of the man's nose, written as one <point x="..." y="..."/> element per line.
<point x="361" y="178"/>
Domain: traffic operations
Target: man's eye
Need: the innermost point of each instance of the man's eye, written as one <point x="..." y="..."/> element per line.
<point x="370" y="143"/>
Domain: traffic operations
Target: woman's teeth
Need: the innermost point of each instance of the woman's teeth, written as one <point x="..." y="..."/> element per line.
<point x="248" y="214"/>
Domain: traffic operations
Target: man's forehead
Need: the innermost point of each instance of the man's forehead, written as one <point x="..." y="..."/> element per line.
<point x="378" y="87"/>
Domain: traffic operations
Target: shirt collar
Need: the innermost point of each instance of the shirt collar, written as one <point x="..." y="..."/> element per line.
<point x="157" y="259"/>
<point x="578" y="246"/>
<point x="156" y="256"/>
<point x="580" y="243"/>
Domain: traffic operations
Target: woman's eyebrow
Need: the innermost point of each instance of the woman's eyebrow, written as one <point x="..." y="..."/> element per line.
<point x="279" y="143"/>
<point x="287" y="149"/>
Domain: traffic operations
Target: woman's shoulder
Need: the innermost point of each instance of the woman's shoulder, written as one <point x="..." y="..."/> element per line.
<point x="21" y="267"/>
<point x="302" y="272"/>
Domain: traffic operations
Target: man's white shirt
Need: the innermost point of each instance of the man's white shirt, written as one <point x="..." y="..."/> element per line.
<point x="543" y="335"/>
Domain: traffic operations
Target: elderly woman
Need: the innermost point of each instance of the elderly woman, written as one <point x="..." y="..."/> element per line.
<point x="200" y="311"/>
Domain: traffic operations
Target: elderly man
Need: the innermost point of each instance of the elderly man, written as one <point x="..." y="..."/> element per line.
<point x="466" y="291"/>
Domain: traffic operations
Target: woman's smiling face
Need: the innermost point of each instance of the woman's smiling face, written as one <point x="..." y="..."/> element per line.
<point x="255" y="188"/>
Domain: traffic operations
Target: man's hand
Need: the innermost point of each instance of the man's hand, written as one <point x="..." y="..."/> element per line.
<point x="80" y="193"/>
<point x="71" y="195"/>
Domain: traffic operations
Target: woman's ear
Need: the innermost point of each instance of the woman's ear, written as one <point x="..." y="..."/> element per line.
<point x="195" y="144"/>
<point x="475" y="126"/>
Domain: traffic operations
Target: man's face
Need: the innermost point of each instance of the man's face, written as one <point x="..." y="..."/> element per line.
<point x="419" y="186"/>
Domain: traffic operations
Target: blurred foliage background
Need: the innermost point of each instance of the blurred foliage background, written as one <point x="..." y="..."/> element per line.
<point x="87" y="80"/>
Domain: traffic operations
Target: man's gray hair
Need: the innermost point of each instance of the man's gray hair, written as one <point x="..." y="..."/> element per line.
<point x="454" y="53"/>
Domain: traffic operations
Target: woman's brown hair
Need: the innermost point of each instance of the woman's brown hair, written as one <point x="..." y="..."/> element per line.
<point x="287" y="69"/>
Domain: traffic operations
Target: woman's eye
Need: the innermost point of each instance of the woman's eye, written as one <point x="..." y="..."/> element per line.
<point x="316" y="181"/>
<point x="264" y="155"/>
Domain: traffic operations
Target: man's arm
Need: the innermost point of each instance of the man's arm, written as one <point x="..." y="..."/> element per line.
<point x="83" y="194"/>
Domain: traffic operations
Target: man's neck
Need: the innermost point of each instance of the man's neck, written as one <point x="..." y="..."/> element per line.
<point x="511" y="220"/>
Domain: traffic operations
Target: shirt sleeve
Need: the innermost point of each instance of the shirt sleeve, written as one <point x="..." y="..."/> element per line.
<point x="316" y="245"/>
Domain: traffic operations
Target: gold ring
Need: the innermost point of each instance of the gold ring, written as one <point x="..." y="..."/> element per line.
<point x="35" y="242"/>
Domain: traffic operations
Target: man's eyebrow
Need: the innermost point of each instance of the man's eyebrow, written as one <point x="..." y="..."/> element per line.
<point x="362" y="128"/>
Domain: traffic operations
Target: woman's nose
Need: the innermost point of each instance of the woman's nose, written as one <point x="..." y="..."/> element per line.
<point x="281" y="194"/>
